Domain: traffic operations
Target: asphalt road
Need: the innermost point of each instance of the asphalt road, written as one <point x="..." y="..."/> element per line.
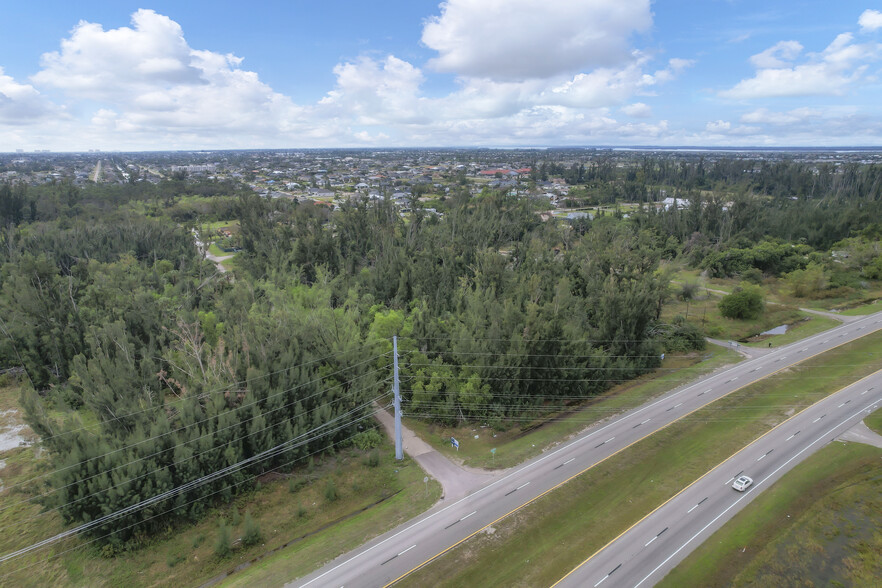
<point x="400" y="551"/>
<point x="655" y="545"/>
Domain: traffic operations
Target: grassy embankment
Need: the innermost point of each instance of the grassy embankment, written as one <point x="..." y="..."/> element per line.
<point x="296" y="512"/>
<point x="549" y="537"/>
<point x="817" y="526"/>
<point x="520" y="443"/>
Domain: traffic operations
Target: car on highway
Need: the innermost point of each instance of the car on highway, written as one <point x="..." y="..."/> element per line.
<point x="742" y="483"/>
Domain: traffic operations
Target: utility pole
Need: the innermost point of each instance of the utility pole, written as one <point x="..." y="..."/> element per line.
<point x="395" y="389"/>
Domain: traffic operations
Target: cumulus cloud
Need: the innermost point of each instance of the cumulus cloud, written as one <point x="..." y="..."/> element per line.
<point x="637" y="110"/>
<point x="524" y="39"/>
<point x="150" y="80"/>
<point x="830" y="72"/>
<point x="777" y="56"/>
<point x="870" y="20"/>
<point x="144" y="86"/>
<point x="22" y="104"/>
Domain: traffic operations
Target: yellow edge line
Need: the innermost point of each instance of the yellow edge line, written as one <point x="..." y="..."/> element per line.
<point x="713" y="469"/>
<point x="555" y="487"/>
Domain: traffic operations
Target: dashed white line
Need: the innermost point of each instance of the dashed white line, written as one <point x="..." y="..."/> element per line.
<point x="569" y="460"/>
<point x="522" y="486"/>
<point x="650" y="541"/>
<point x="406" y="550"/>
<point x="468" y="515"/>
<point x="691" y="509"/>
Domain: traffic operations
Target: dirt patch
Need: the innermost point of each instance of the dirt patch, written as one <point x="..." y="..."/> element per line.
<point x="14" y="432"/>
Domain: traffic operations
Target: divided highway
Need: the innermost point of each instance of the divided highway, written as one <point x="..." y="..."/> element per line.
<point x="400" y="551"/>
<point x="650" y="549"/>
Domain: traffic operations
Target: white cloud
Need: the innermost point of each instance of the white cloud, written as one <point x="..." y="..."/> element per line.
<point x="830" y="72"/>
<point x="765" y="116"/>
<point x="777" y="56"/>
<point x="637" y="110"/>
<point x="524" y="39"/>
<point x="144" y="86"/>
<point x="718" y="126"/>
<point x="870" y="20"/>
<point x="149" y="81"/>
<point x="22" y="104"/>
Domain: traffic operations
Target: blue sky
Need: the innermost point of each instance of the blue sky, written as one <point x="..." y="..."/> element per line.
<point x="194" y="75"/>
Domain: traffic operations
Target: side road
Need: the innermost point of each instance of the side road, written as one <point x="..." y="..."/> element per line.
<point x="456" y="480"/>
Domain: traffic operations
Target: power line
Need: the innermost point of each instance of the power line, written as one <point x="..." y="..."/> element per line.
<point x="178" y="507"/>
<point x="145" y="457"/>
<point x="226" y="388"/>
<point x="272" y="452"/>
<point x="253" y="403"/>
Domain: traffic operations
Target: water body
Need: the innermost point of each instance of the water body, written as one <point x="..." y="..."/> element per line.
<point x="780" y="330"/>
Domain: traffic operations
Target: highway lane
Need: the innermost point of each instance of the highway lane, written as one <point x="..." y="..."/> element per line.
<point x="651" y="548"/>
<point x="400" y="551"/>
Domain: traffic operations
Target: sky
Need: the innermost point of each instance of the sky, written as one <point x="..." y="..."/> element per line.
<point x="122" y="76"/>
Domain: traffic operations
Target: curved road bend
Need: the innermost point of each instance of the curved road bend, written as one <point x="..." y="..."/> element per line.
<point x="655" y="545"/>
<point x="400" y="551"/>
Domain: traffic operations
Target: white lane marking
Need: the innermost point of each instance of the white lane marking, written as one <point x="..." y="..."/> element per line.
<point x="760" y="457"/>
<point x="841" y="405"/>
<point x="728" y="481"/>
<point x="691" y="509"/>
<point x="522" y="486"/>
<point x="816" y="420"/>
<point x="790" y="437"/>
<point x="468" y="515"/>
<point x="825" y="341"/>
<point x="601" y="582"/>
<point x="646" y="421"/>
<point x="650" y="541"/>
<point x="745" y="495"/>
<point x="569" y="460"/>
<point x="610" y="439"/>
<point x="676" y="405"/>
<point x="408" y="549"/>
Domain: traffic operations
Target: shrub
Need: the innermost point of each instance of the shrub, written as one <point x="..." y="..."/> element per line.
<point x="173" y="559"/>
<point x="745" y="303"/>
<point x="367" y="439"/>
<point x="236" y="518"/>
<point x="252" y="534"/>
<point x="222" y="547"/>
<point x="330" y="491"/>
<point x="372" y="459"/>
<point x="198" y="540"/>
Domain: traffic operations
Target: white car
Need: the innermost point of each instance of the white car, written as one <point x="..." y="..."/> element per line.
<point x="742" y="483"/>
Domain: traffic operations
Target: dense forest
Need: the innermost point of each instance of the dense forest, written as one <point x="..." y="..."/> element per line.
<point x="148" y="371"/>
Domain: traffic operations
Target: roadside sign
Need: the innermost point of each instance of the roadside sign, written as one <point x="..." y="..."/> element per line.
<point x="454" y="442"/>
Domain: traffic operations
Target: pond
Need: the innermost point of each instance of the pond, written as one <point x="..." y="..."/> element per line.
<point x="779" y="330"/>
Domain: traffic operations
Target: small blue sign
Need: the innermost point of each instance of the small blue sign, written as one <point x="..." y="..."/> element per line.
<point x="454" y="442"/>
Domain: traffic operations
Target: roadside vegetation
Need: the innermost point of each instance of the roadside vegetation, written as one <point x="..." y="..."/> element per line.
<point x="298" y="519"/>
<point x="541" y="542"/>
<point x="534" y="435"/>
<point x="144" y="371"/>
<point x="816" y="526"/>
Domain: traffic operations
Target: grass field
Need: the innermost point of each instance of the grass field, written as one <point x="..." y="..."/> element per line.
<point x="532" y="438"/>
<point x="874" y="421"/>
<point x="810" y="325"/>
<point x="541" y="542"/>
<point x="817" y="526"/>
<point x="369" y="501"/>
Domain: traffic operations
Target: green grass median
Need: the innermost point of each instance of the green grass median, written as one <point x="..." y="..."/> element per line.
<point x="816" y="526"/>
<point x="540" y="543"/>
